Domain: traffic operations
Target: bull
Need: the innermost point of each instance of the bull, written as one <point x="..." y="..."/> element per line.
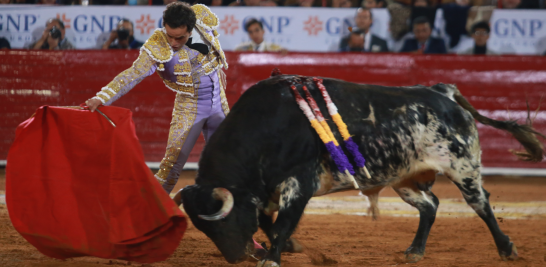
<point x="266" y="157"/>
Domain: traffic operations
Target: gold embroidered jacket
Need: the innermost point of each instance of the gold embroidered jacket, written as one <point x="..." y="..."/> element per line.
<point x="179" y="70"/>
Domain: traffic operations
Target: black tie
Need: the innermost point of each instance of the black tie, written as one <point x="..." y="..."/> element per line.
<point x="202" y="48"/>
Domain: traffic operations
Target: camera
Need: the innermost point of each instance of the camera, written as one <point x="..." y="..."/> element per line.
<point x="123" y="34"/>
<point x="55" y="33"/>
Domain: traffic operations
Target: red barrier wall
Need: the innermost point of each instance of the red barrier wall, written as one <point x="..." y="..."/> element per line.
<point x="497" y="86"/>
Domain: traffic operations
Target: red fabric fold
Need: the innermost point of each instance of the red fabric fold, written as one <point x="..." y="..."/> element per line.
<point x="78" y="186"/>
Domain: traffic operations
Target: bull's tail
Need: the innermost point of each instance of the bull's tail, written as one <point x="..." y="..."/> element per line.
<point x="524" y="133"/>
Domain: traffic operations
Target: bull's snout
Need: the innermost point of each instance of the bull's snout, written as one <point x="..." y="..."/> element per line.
<point x="237" y="257"/>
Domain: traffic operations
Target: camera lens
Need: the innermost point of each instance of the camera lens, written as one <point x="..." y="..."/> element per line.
<point x="123" y="34"/>
<point x="55" y="33"/>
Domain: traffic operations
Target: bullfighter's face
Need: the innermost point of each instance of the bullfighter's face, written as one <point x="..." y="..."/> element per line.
<point x="177" y="36"/>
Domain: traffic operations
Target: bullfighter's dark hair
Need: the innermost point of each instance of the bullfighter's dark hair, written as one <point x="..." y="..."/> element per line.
<point x="61" y="23"/>
<point x="179" y="14"/>
<point x="253" y="21"/>
<point x="480" y="25"/>
<point x="420" y="20"/>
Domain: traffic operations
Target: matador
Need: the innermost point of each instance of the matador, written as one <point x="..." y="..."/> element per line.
<point x="188" y="57"/>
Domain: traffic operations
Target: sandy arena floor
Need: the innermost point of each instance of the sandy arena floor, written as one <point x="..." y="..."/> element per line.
<point x="334" y="237"/>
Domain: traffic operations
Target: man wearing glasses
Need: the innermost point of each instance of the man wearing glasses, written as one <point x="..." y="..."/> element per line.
<point x="480" y="34"/>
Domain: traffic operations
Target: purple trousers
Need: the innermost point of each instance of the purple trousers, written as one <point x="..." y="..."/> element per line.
<point x="208" y="118"/>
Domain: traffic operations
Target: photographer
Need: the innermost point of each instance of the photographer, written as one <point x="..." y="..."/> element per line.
<point x="53" y="37"/>
<point x="122" y="37"/>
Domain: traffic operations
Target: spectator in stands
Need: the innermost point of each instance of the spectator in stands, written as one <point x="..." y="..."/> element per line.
<point x="4" y="43"/>
<point x="207" y="2"/>
<point x="342" y="3"/>
<point x="122" y="37"/>
<point x="480" y="34"/>
<point x="53" y="37"/>
<point x="246" y="3"/>
<point x="373" y="4"/>
<point x="255" y="30"/>
<point x="455" y="16"/>
<point x="423" y="8"/>
<point x="300" y="3"/>
<point x="5" y="2"/>
<point x="47" y="2"/>
<point x="362" y="39"/>
<point x="423" y="43"/>
<point x="511" y="4"/>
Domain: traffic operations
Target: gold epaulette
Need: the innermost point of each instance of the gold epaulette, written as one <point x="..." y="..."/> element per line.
<point x="157" y="46"/>
<point x="205" y="17"/>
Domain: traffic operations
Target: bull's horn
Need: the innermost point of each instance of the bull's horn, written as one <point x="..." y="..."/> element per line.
<point x="178" y="197"/>
<point x="223" y="194"/>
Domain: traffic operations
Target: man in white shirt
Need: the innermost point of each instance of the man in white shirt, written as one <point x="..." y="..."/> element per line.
<point x="257" y="43"/>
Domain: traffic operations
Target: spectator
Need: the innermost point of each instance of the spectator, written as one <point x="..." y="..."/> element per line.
<point x="455" y="16"/>
<point x="4" y="43"/>
<point x="205" y="2"/>
<point x="362" y="39"/>
<point x="53" y="37"/>
<point x="480" y="34"/>
<point x="373" y="4"/>
<point x="5" y="2"/>
<point x="122" y="37"/>
<point x="256" y="32"/>
<point x="341" y="3"/>
<point x="246" y="3"/>
<point x="48" y="2"/>
<point x="423" y="43"/>
<point x="423" y="8"/>
<point x="300" y="3"/>
<point x="511" y="4"/>
<point x="398" y="24"/>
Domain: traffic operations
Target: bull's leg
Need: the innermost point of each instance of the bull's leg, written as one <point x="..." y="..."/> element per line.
<point x="266" y="224"/>
<point x="478" y="198"/>
<point x="293" y="199"/>
<point x="416" y="192"/>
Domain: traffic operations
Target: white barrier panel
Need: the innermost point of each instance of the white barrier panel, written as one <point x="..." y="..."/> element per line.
<point x="297" y="29"/>
<point x="518" y="32"/>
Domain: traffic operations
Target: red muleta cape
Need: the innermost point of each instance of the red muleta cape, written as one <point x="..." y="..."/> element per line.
<point x="78" y="186"/>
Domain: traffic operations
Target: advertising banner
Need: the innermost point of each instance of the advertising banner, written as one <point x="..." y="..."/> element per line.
<point x="518" y="32"/>
<point x="88" y="27"/>
<point x="294" y="28"/>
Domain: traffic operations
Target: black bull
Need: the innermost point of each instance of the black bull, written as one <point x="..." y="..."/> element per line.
<point x="266" y="157"/>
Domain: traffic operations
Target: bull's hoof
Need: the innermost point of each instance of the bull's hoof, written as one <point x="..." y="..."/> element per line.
<point x="293" y="246"/>
<point x="267" y="263"/>
<point x="513" y="255"/>
<point x="414" y="257"/>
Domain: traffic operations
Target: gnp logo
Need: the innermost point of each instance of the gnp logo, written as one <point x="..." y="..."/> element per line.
<point x="95" y="23"/>
<point x="17" y="22"/>
<point x="145" y="24"/>
<point x="229" y="24"/>
<point x="313" y="25"/>
<point x="526" y="28"/>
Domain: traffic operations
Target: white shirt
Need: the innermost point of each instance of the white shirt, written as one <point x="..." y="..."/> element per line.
<point x="367" y="41"/>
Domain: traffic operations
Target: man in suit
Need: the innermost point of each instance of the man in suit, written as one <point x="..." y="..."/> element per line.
<point x="423" y="43"/>
<point x="362" y="39"/>
<point x="255" y="30"/>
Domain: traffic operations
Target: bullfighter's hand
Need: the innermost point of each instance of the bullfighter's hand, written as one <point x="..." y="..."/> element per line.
<point x="93" y="104"/>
